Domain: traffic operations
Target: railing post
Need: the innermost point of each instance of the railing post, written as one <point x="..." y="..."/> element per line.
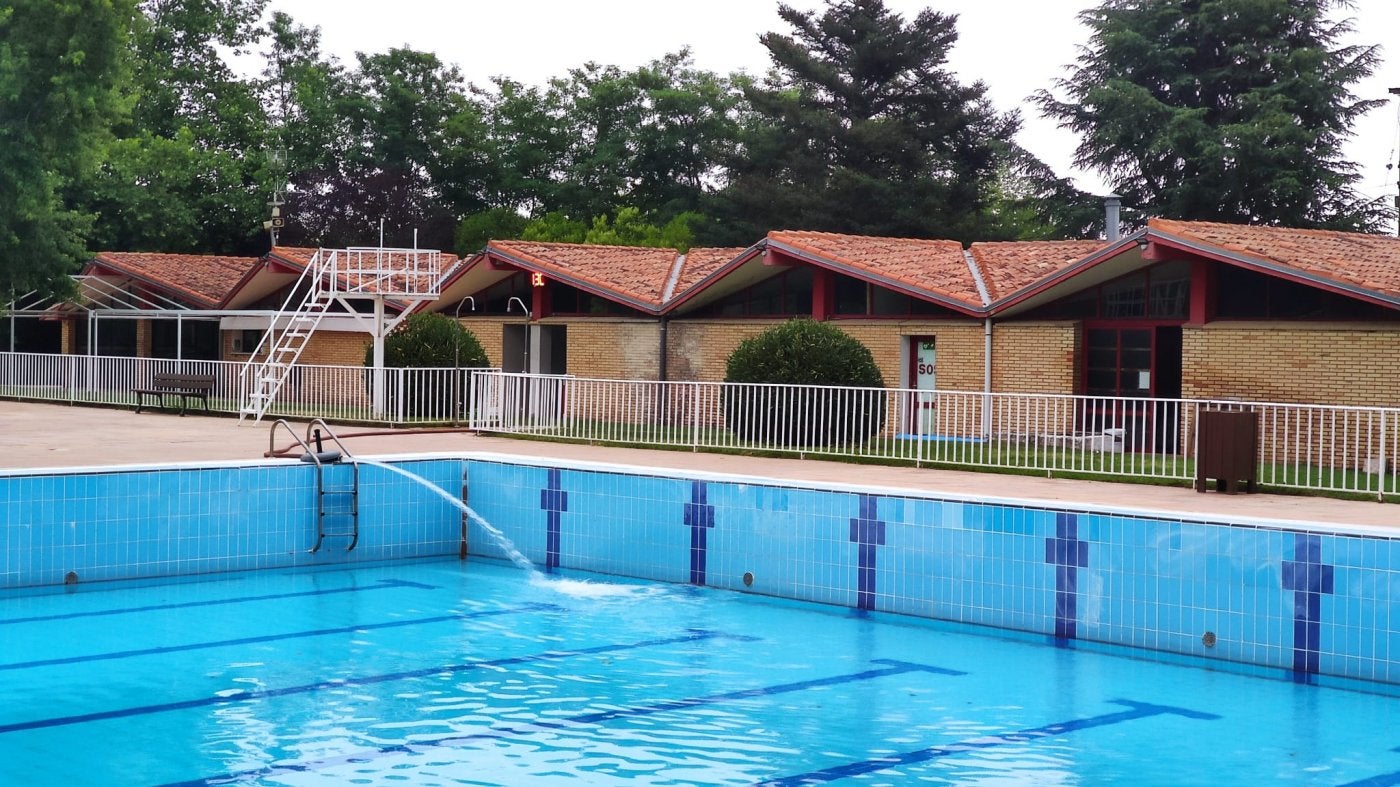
<point x="1381" y="463"/>
<point x="695" y="417"/>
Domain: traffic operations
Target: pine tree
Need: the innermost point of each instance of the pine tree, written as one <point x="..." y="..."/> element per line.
<point x="1225" y="110"/>
<point x="861" y="128"/>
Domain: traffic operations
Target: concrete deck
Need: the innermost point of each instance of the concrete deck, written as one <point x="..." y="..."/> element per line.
<point x="50" y="436"/>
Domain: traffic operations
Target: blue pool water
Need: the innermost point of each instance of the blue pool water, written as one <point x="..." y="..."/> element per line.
<point x="469" y="673"/>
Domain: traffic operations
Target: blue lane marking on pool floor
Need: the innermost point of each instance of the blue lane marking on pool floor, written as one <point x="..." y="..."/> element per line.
<point x="383" y="584"/>
<point x="694" y="635"/>
<point x="889" y="667"/>
<point x="1068" y="554"/>
<point x="1135" y="711"/>
<point x="554" y="500"/>
<point x="699" y="517"/>
<point x="1310" y="579"/>
<point x="224" y="643"/>
<point x="869" y="532"/>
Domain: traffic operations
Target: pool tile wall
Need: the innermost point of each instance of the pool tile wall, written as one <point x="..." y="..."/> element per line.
<point x="1306" y="601"/>
<point x="174" y="521"/>
<point x="1312" y="602"/>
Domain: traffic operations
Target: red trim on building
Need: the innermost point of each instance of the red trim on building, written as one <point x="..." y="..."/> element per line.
<point x="823" y="294"/>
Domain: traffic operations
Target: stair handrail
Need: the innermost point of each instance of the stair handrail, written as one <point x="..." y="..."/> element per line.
<point x="321" y="422"/>
<point x="309" y="454"/>
<point x="306" y="273"/>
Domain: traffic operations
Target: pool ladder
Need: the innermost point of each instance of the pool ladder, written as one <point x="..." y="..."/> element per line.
<point x="337" y="506"/>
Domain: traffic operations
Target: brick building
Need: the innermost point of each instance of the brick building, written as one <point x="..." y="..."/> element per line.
<point x="1177" y="309"/>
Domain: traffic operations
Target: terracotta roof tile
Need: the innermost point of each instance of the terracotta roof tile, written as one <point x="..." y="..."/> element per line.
<point x="297" y="254"/>
<point x="1010" y="266"/>
<point x="637" y="274"/>
<point x="700" y="263"/>
<point x="935" y="267"/>
<point x="1368" y="262"/>
<point x="204" y="280"/>
<point x="389" y="260"/>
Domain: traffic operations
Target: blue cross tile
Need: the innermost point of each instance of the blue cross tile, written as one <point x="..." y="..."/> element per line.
<point x="699" y="517"/>
<point x="1309" y="579"/>
<point x="1068" y="554"/>
<point x="554" y="500"/>
<point x="868" y="531"/>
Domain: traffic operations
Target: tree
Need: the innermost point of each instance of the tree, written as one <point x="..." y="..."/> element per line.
<point x="61" y="64"/>
<point x="1224" y="110"/>
<point x="397" y="107"/>
<point x="1030" y="202"/>
<point x="188" y="171"/>
<point x="860" y="128"/>
<point x="599" y="140"/>
<point x="476" y="230"/>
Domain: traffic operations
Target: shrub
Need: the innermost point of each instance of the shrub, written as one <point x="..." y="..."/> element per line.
<point x="429" y="341"/>
<point x="804" y="353"/>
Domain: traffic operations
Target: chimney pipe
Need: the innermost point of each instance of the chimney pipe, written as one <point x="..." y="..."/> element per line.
<point x="1111" y="206"/>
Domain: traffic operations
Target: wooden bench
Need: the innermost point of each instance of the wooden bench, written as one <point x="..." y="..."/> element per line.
<point x="185" y="386"/>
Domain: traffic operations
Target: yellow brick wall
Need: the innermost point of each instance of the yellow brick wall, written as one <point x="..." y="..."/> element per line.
<point x="489" y="333"/>
<point x="1034" y="358"/>
<point x="1293" y="362"/>
<point x="699" y="349"/>
<point x="614" y="349"/>
<point x="143" y="338"/>
<point x="335" y="348"/>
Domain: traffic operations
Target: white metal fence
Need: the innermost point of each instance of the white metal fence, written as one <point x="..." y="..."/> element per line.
<point x="333" y="392"/>
<point x="1314" y="447"/>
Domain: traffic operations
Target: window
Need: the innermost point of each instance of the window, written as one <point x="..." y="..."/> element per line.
<point x="1247" y="295"/>
<point x="856" y="298"/>
<point x="496" y="299"/>
<point x="573" y="301"/>
<point x="1161" y="292"/>
<point x="785" y="294"/>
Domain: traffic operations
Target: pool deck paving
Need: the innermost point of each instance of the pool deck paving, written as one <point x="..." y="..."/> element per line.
<point x="34" y="436"/>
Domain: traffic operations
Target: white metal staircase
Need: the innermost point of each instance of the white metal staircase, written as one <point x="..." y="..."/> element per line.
<point x="334" y="275"/>
<point x="287" y="335"/>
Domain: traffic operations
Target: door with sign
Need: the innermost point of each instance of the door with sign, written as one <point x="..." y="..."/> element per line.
<point x="921" y="415"/>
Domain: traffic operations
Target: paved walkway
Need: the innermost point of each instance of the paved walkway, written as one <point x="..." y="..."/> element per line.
<point x="45" y="436"/>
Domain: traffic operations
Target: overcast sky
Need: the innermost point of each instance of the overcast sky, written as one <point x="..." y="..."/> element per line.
<point x="1015" y="46"/>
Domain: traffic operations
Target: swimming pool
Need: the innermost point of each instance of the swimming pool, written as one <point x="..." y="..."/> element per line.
<point x="1310" y="608"/>
<point x="452" y="672"/>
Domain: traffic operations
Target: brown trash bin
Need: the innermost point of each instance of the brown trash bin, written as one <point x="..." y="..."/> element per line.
<point x="1227" y="450"/>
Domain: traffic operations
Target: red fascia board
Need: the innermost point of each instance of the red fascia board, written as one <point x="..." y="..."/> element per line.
<point x="509" y="261"/>
<point x="495" y="262"/>
<point x="155" y="285"/>
<point x="1276" y="269"/>
<point x="278" y="265"/>
<point x="892" y="284"/>
<point x="1104" y="254"/>
<point x="714" y="276"/>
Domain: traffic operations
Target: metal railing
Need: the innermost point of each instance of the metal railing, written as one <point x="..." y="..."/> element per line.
<point x="1313" y="447"/>
<point x="1309" y="447"/>
<point x="414" y="396"/>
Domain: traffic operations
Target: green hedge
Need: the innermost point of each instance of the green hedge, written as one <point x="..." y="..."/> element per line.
<point x="804" y="353"/>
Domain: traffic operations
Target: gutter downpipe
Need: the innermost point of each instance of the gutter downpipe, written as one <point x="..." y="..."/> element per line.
<point x="661" y="354"/>
<point x="986" y="343"/>
<point x="987" y="379"/>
